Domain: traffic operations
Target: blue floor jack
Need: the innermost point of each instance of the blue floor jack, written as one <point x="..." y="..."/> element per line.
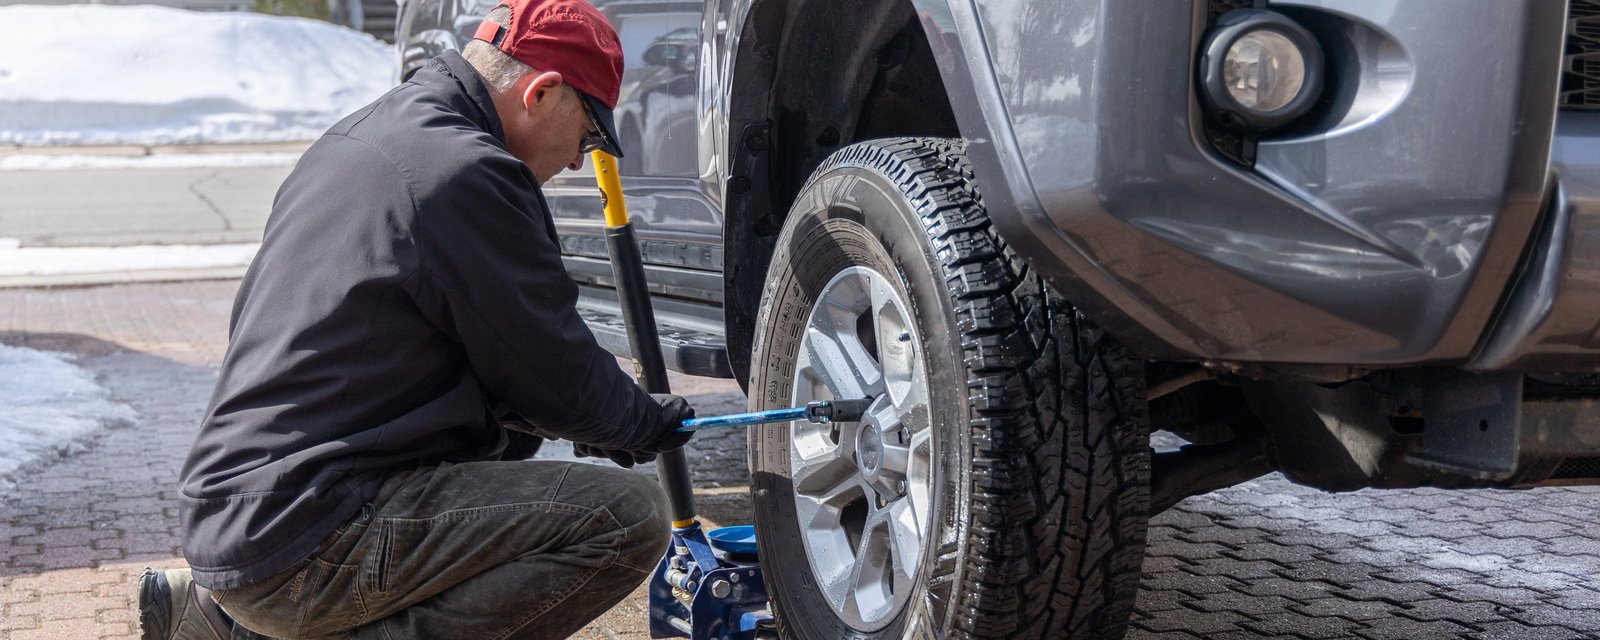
<point x="709" y="585"/>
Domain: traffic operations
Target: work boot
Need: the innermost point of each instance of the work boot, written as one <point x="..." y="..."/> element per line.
<point x="173" y="607"/>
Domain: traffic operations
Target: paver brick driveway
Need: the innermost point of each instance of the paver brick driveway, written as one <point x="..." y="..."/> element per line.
<point x="1262" y="560"/>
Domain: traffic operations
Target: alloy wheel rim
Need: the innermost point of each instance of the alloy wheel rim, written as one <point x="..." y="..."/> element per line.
<point x="862" y="489"/>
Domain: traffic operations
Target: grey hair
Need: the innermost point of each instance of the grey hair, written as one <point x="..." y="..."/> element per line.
<point x="500" y="71"/>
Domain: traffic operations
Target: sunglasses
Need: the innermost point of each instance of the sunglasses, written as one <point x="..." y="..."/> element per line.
<point x="595" y="138"/>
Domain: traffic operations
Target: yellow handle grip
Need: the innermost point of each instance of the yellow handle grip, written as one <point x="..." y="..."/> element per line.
<point x="605" y="175"/>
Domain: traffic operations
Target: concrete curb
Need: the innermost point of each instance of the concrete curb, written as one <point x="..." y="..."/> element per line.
<point x="121" y="277"/>
<point x="137" y="150"/>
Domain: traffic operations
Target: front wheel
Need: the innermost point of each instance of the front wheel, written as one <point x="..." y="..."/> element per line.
<point x="998" y="486"/>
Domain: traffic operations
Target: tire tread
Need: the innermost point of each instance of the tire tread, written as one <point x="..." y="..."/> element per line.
<point x="1057" y="411"/>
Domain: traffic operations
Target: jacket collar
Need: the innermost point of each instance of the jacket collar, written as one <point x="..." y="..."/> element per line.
<point x="468" y="95"/>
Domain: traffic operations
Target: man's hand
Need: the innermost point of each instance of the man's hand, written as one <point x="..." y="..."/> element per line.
<point x="665" y="437"/>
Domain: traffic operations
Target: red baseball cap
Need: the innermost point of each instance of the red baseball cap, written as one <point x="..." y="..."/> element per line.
<point x="572" y="38"/>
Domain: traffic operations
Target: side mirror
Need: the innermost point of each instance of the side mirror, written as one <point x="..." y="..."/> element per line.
<point x="659" y="55"/>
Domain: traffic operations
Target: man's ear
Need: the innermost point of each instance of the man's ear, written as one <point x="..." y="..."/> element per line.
<point x="541" y="90"/>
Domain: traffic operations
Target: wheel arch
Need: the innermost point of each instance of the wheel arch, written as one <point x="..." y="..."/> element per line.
<point x="885" y="70"/>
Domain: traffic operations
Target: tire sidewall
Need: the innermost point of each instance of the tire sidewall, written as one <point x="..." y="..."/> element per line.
<point x="853" y="215"/>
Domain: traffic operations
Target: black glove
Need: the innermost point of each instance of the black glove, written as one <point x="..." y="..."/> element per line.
<point x="664" y="437"/>
<point x="674" y="410"/>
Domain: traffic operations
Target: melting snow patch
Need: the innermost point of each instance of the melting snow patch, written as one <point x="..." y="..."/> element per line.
<point x="49" y="407"/>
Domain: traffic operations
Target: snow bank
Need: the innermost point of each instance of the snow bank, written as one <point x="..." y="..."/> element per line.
<point x="101" y="74"/>
<point x="48" y="407"/>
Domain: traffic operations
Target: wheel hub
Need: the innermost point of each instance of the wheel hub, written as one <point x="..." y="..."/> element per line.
<point x="862" y="493"/>
<point x="869" y="450"/>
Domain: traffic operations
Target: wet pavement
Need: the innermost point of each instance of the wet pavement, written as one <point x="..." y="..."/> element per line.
<point x="1262" y="560"/>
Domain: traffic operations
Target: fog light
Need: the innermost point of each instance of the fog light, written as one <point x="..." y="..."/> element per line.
<point x="1263" y="71"/>
<point x="1260" y="70"/>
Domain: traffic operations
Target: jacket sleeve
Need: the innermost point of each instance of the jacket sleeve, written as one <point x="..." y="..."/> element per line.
<point x="490" y="273"/>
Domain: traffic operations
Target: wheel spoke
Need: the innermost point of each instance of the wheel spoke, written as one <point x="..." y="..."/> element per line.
<point x="835" y="577"/>
<point x="916" y="394"/>
<point x="845" y="368"/>
<point x="897" y="347"/>
<point x="820" y="474"/>
<point x="842" y="362"/>
<point x="884" y="412"/>
<point x="871" y="591"/>
<point x="820" y="518"/>
<point x="888" y="320"/>
<point x="905" y="538"/>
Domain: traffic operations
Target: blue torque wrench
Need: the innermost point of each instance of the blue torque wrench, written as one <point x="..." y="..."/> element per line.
<point x="820" y="411"/>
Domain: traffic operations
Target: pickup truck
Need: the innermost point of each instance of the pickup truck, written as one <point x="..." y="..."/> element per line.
<point x="1357" y="243"/>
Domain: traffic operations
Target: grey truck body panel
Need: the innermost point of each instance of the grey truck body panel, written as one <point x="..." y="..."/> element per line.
<point x="1436" y="209"/>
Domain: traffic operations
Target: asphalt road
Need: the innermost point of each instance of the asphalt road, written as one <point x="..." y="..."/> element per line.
<point x="109" y="207"/>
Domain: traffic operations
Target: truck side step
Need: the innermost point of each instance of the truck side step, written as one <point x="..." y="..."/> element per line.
<point x="687" y="343"/>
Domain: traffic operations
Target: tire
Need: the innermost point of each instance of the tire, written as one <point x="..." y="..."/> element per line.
<point x="1038" y="461"/>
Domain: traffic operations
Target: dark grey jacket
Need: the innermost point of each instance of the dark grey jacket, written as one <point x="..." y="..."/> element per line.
<point x="409" y="277"/>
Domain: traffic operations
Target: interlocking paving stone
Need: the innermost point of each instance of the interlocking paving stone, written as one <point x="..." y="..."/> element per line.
<point x="1359" y="555"/>
<point x="1512" y="630"/>
<point x="1357" y="610"/>
<point x="1267" y="559"/>
<point x="1191" y="551"/>
<point x="1577" y="599"/>
<point x="1296" y="625"/>
<point x="1169" y="635"/>
<point x="1437" y="577"/>
<point x="1408" y="629"/>
<point x="1302" y="590"/>
<point x="1198" y="585"/>
<point x="1155" y="601"/>
<point x="1225" y="534"/>
<point x="1244" y="603"/>
<point x="1343" y="574"/>
<point x="1201" y="623"/>
<point x="1281" y="554"/>
<point x="1458" y="612"/>
<point x="1158" y="564"/>
<point x="1377" y="589"/>
<point x="1511" y="596"/>
<point x="1586" y="620"/>
<point x="1243" y="570"/>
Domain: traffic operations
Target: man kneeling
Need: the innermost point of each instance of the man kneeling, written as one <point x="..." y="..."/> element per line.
<point x="408" y="293"/>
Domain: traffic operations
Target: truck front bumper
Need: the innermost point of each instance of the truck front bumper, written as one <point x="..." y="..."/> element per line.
<point x="1551" y="322"/>
<point x="1389" y="232"/>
